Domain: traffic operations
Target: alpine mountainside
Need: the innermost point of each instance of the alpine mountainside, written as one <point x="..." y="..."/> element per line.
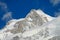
<point x="35" y="26"/>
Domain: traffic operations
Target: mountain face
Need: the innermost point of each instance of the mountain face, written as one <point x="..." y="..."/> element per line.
<point x="35" y="26"/>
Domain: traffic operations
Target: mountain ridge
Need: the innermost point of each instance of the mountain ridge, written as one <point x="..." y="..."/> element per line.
<point x="34" y="19"/>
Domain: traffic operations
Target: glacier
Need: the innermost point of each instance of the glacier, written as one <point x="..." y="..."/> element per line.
<point x="35" y="26"/>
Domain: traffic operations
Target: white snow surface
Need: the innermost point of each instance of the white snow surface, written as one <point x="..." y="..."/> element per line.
<point x="46" y="31"/>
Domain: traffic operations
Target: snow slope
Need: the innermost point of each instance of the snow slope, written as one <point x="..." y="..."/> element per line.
<point x="35" y="26"/>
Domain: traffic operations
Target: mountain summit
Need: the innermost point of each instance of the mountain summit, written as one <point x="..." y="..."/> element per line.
<point x="35" y="26"/>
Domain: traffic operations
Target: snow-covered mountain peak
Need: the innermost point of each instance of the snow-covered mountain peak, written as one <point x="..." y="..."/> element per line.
<point x="26" y="27"/>
<point x="34" y="18"/>
<point x="40" y="13"/>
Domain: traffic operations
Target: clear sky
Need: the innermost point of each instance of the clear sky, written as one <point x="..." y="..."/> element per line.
<point x="15" y="9"/>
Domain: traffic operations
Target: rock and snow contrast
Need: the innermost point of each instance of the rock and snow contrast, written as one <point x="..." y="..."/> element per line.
<point x="35" y="26"/>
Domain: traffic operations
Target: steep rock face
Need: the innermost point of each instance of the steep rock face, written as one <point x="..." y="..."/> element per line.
<point x="38" y="17"/>
<point x="27" y="28"/>
<point x="32" y="20"/>
<point x="35" y="18"/>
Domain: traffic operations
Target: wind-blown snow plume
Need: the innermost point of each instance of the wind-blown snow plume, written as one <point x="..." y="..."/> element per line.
<point x="3" y="6"/>
<point x="57" y="14"/>
<point x="8" y="15"/>
<point x="55" y="2"/>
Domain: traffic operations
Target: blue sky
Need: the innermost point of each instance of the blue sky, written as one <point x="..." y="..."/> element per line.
<point x="16" y="9"/>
